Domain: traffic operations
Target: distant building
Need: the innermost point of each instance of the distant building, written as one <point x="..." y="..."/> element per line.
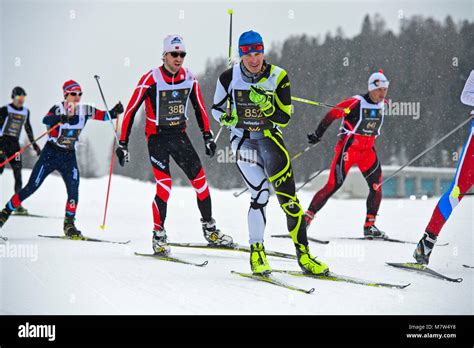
<point x="411" y="181"/>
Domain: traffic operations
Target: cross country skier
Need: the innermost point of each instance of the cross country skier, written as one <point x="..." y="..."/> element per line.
<point x="462" y="182"/>
<point x="356" y="146"/>
<point x="12" y="118"/>
<point x="167" y="91"/>
<point x="59" y="152"/>
<point x="259" y="148"/>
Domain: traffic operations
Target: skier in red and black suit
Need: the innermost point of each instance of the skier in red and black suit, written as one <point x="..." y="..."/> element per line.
<point x="167" y="91"/>
<point x="356" y="146"/>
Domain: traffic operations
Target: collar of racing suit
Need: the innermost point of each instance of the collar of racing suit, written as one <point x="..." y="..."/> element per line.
<point x="173" y="78"/>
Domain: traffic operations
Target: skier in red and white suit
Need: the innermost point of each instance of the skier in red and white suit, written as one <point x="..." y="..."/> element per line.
<point x="362" y="117"/>
<point x="167" y="92"/>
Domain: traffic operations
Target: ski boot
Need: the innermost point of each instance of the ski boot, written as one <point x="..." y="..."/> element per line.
<point x="4" y="215"/>
<point x="215" y="236"/>
<point x="372" y="232"/>
<point x="258" y="260"/>
<point x="309" y="217"/>
<point x="424" y="248"/>
<point x="160" y="242"/>
<point x="21" y="211"/>
<point x="308" y="262"/>
<point x="70" y="229"/>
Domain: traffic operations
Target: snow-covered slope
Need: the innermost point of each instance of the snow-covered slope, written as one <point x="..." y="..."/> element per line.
<point x="69" y="277"/>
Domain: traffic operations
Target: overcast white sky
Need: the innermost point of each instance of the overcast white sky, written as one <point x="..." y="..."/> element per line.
<point x="44" y="43"/>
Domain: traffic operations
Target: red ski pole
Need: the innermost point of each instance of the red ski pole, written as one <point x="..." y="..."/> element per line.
<point x="112" y="161"/>
<point x="27" y="146"/>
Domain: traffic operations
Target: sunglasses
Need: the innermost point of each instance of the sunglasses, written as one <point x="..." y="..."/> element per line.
<point x="75" y="94"/>
<point x="253" y="47"/>
<point x="176" y="54"/>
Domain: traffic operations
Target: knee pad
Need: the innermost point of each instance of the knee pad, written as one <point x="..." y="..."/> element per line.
<point x="261" y="200"/>
<point x="293" y="208"/>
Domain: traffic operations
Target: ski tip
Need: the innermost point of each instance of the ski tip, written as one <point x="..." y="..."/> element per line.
<point x="467" y="266"/>
<point x="458" y="280"/>
<point x="310" y="291"/>
<point x="230" y="11"/>
<point x="204" y="263"/>
<point x="102" y="227"/>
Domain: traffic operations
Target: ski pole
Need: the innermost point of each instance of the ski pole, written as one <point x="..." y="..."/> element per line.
<point x="112" y="161"/>
<point x="307" y="101"/>
<point x="97" y="77"/>
<point x="309" y="180"/>
<point x="237" y="194"/>
<point x="229" y="64"/>
<point x="312" y="102"/>
<point x="27" y="146"/>
<point x="423" y="152"/>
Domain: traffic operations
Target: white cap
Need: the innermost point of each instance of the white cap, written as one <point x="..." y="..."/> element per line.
<point x="377" y="80"/>
<point x="172" y="43"/>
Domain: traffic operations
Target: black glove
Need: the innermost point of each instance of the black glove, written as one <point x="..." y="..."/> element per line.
<point x="37" y="149"/>
<point x="313" y="138"/>
<point x="64" y="119"/>
<point x="122" y="153"/>
<point x="117" y="109"/>
<point x="209" y="143"/>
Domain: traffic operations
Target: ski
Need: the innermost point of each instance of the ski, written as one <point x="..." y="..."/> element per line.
<point x="37" y="216"/>
<point x="341" y="278"/>
<point x="386" y="239"/>
<point x="233" y="247"/>
<point x="417" y="267"/>
<point x="467" y="266"/>
<point x="268" y="278"/>
<point x="172" y="259"/>
<point x="85" y="239"/>
<point x="309" y="238"/>
<point x="3" y="238"/>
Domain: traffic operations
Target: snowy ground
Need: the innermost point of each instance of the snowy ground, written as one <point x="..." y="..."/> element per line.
<point x="69" y="277"/>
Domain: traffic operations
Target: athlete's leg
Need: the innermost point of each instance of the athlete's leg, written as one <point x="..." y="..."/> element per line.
<point x="186" y="157"/>
<point x="341" y="164"/>
<point x="371" y="169"/>
<point x="159" y="158"/>
<point x="70" y="174"/>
